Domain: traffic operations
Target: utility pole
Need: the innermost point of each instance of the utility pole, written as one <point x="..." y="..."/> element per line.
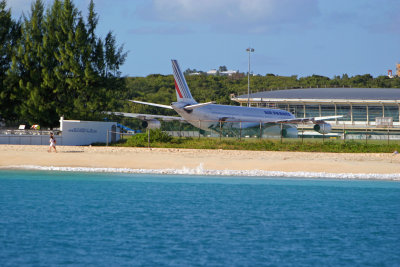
<point x="248" y="77"/>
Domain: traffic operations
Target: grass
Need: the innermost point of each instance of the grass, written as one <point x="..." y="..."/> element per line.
<point x="162" y="140"/>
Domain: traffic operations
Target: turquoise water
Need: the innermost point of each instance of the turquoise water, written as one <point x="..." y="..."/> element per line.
<point x="57" y="218"/>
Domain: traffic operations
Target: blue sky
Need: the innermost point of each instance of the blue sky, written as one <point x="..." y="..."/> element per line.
<point x="290" y="37"/>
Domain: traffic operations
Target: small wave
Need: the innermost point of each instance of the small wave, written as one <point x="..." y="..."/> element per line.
<point x="201" y="171"/>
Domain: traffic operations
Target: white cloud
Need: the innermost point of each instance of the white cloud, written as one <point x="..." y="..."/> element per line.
<point x="257" y="15"/>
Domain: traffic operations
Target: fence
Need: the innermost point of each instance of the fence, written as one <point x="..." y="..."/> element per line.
<point x="113" y="136"/>
<point x="28" y="137"/>
<point x="230" y="129"/>
<point x="283" y="131"/>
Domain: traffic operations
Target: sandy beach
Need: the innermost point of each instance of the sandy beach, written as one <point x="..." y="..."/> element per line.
<point x="21" y="156"/>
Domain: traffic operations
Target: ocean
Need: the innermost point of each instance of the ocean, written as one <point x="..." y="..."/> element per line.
<point x="50" y="218"/>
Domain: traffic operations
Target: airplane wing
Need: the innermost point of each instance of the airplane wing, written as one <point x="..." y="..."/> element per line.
<point x="151" y="104"/>
<point x="147" y="116"/>
<point x="310" y="119"/>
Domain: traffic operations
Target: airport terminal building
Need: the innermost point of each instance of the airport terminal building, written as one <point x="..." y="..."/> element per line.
<point x="361" y="107"/>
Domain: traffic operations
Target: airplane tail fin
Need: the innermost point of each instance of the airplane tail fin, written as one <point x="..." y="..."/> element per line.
<point x="182" y="90"/>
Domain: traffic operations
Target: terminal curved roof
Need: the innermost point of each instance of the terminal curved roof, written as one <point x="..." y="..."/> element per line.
<point x="330" y="93"/>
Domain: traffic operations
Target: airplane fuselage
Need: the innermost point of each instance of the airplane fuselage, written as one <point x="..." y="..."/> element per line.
<point x="216" y="116"/>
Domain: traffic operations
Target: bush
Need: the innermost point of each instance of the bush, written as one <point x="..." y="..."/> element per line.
<point x="159" y="136"/>
<point x="162" y="139"/>
<point x="141" y="139"/>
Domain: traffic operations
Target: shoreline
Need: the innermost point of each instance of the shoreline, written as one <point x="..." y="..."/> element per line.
<point x="223" y="173"/>
<point x="379" y="166"/>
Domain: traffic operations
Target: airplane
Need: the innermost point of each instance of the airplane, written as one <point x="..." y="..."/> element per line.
<point x="210" y="116"/>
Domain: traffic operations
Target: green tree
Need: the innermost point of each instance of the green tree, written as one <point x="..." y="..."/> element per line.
<point x="60" y="67"/>
<point x="33" y="106"/>
<point x="9" y="36"/>
<point x="222" y="68"/>
<point x="90" y="67"/>
<point x="49" y="61"/>
<point x="114" y="56"/>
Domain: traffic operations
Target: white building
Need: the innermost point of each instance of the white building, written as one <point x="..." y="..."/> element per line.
<point x="71" y="133"/>
<point x="222" y="73"/>
<point x="228" y="72"/>
<point x="212" y="72"/>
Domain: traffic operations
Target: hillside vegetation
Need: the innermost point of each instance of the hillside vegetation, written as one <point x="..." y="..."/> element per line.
<point x="161" y="89"/>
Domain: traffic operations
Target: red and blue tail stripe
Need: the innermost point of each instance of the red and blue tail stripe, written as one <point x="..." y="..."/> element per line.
<point x="181" y="87"/>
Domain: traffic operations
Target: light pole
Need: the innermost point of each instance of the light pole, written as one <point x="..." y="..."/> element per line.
<point x="248" y="77"/>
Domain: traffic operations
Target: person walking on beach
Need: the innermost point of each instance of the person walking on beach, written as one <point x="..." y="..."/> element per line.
<point x="52" y="143"/>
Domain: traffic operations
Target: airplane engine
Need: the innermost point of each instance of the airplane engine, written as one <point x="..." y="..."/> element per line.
<point x="323" y="128"/>
<point x="151" y="124"/>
